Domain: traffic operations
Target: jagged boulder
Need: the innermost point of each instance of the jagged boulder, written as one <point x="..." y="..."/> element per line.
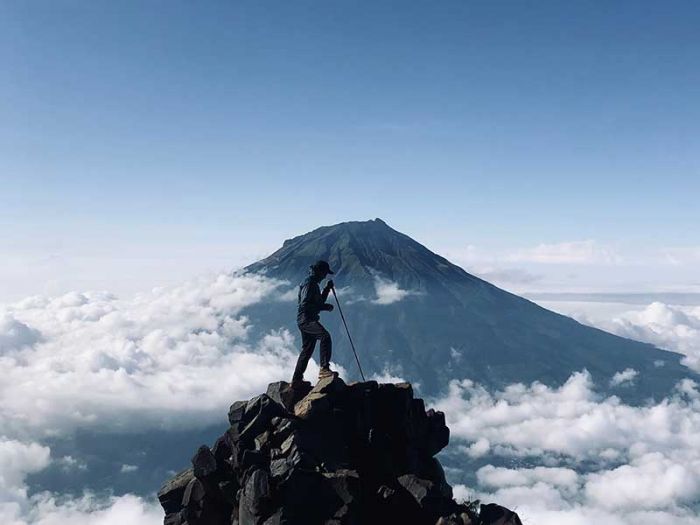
<point x="493" y="514"/>
<point x="334" y="454"/>
<point x="170" y="495"/>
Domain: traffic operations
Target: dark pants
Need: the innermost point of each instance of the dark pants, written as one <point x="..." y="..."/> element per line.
<point x="310" y="333"/>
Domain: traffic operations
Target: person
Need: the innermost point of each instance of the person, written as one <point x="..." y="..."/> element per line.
<point x="312" y="301"/>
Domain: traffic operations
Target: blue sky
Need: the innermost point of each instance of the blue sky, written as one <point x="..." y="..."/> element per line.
<point x="545" y="146"/>
<point x="145" y="141"/>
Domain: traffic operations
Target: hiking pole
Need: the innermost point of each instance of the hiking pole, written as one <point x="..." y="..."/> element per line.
<point x="348" y="332"/>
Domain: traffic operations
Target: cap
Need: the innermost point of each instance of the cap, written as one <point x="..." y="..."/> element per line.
<point x="322" y="266"/>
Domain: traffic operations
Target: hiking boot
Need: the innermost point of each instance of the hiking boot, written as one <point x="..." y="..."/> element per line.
<point x="326" y="372"/>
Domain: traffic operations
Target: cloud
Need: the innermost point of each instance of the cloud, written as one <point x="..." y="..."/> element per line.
<point x="182" y="354"/>
<point x="624" y="378"/>
<point x="19" y="459"/>
<point x="68" y="463"/>
<point x="91" y="509"/>
<point x="583" y="457"/>
<point x="387" y="377"/>
<point x="173" y="357"/>
<point x="575" y="252"/>
<point x="389" y="292"/>
<point x="15" y="335"/>
<point x="170" y="357"/>
<point x="675" y="328"/>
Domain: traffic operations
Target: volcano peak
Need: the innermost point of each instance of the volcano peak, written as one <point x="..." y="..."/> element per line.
<point x="416" y="314"/>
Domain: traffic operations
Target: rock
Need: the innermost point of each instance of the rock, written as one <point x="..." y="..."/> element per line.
<point x="222" y="449"/>
<point x="306" y="497"/>
<point x="334" y="454"/>
<point x="425" y="493"/>
<point x="283" y="393"/>
<point x="275" y="519"/>
<point x="438" y="432"/>
<point x="435" y="472"/>
<point x="193" y="502"/>
<point x="253" y="458"/>
<point x="385" y="493"/>
<point x="279" y="467"/>
<point x="235" y="413"/>
<point x="493" y="514"/>
<point x="318" y="401"/>
<point x="346" y="485"/>
<point x="173" y="519"/>
<point x="255" y="498"/>
<point x="194" y="494"/>
<point x="329" y="385"/>
<point x="262" y="440"/>
<point x="228" y="490"/>
<point x="467" y="519"/>
<point x="203" y="463"/>
<point x="458" y="518"/>
<point x="281" y="429"/>
<point x="170" y="495"/>
<point x="312" y="405"/>
<point x="257" y="416"/>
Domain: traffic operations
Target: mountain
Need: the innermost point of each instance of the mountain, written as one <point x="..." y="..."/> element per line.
<point x="414" y="314"/>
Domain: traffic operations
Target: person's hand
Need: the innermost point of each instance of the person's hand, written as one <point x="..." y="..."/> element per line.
<point x="328" y="307"/>
<point x="330" y="284"/>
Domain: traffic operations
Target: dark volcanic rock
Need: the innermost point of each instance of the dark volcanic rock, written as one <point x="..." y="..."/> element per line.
<point x="204" y="463"/>
<point x="493" y="514"/>
<point x="170" y="495"/>
<point x="334" y="454"/>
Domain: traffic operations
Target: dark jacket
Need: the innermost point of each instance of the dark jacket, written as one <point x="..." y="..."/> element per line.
<point x="311" y="300"/>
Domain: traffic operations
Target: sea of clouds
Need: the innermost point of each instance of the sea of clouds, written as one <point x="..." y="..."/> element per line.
<point x="175" y="356"/>
<point x="590" y="458"/>
<point x="181" y="354"/>
<point x="667" y="326"/>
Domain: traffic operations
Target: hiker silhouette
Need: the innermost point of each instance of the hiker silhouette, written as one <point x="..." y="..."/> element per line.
<point x="312" y="301"/>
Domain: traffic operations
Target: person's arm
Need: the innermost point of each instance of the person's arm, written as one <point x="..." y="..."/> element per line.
<point x="327" y="290"/>
<point x="324" y="296"/>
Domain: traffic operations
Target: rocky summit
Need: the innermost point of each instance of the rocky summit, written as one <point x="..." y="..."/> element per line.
<point x="337" y="453"/>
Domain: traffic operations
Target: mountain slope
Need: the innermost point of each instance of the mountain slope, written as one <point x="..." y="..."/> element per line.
<point x="413" y="313"/>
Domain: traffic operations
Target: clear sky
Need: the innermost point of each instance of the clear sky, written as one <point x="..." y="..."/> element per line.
<point x="142" y="142"/>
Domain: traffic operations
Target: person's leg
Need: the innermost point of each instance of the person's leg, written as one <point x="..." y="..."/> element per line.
<point x="317" y="331"/>
<point x="326" y="348"/>
<point x="308" y="342"/>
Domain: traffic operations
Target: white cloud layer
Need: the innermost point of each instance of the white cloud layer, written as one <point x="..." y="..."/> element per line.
<point x="173" y="356"/>
<point x="389" y="292"/>
<point x="671" y="327"/>
<point x="596" y="459"/>
<point x="675" y="328"/>
<point x="183" y="354"/>
<point x="176" y="356"/>
<point x="19" y="459"/>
